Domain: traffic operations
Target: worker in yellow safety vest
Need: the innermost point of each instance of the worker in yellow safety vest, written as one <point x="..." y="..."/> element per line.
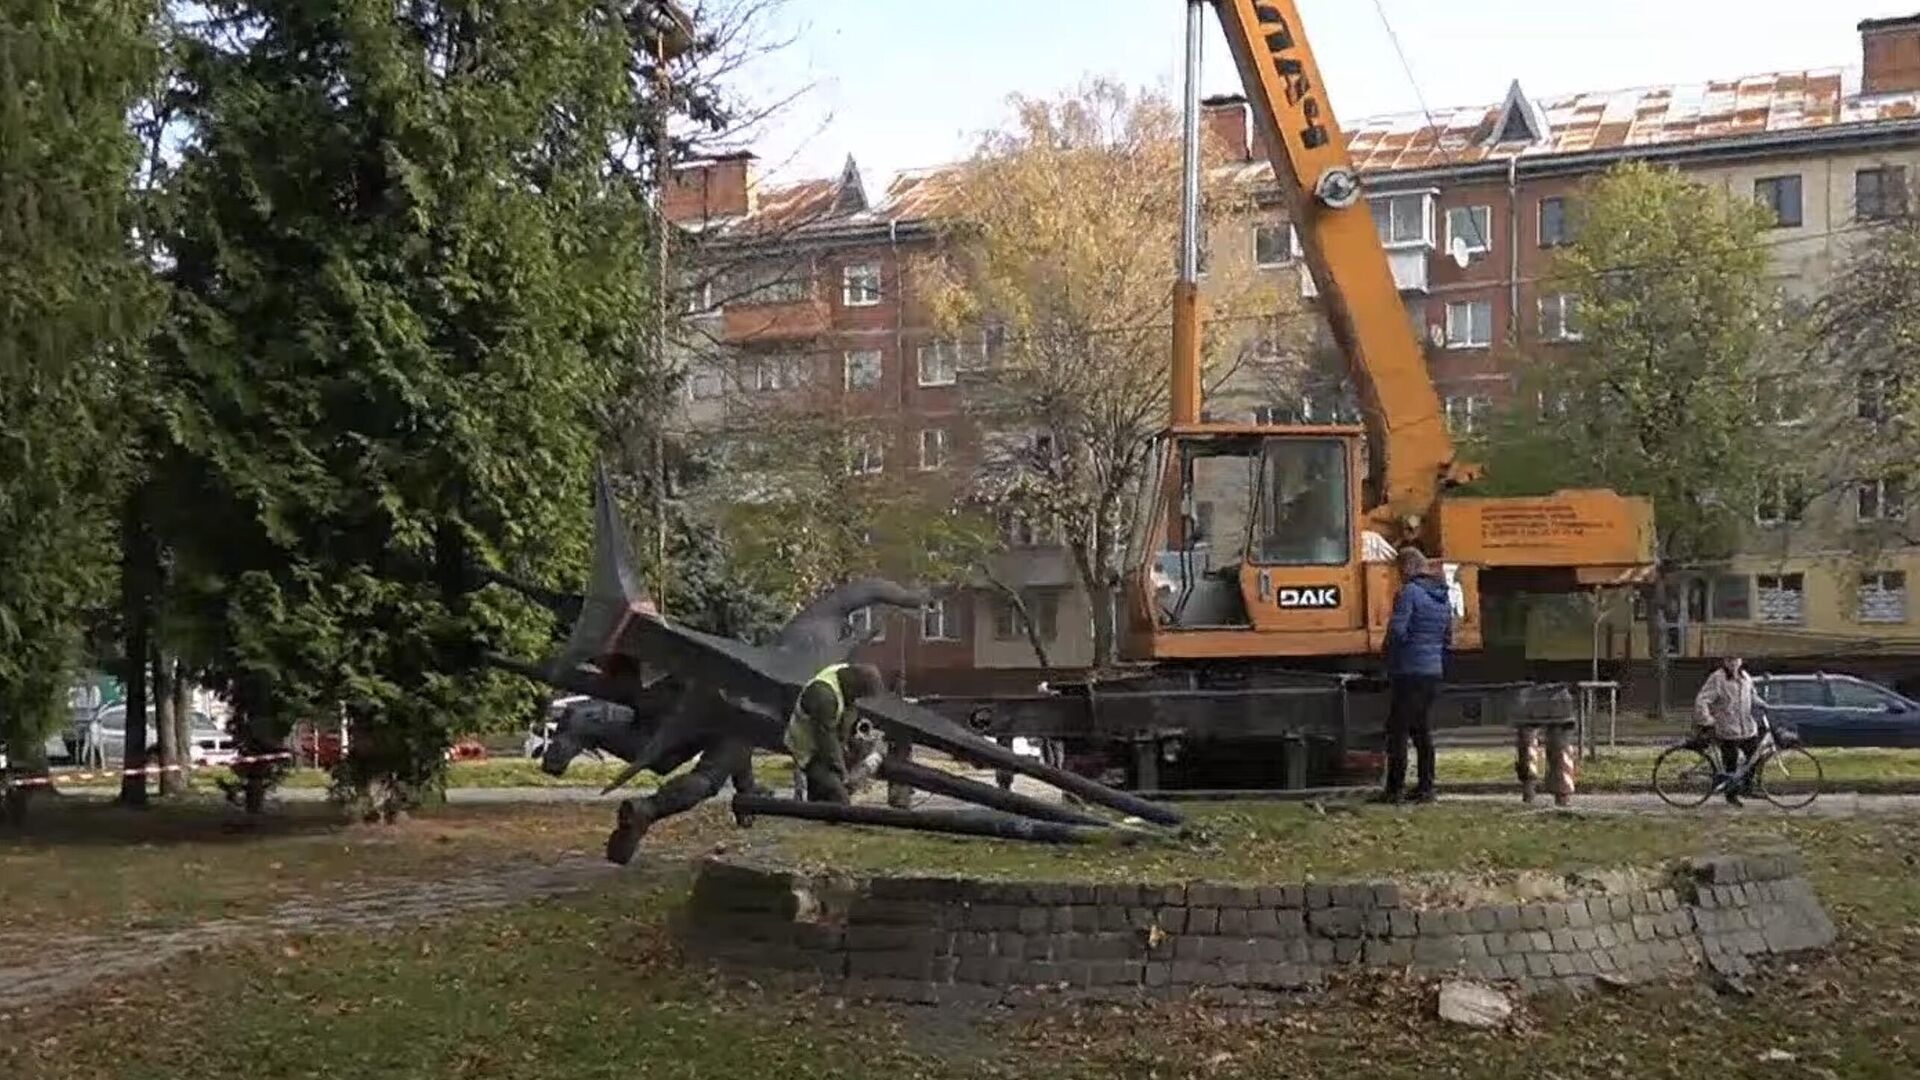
<point x="822" y="723"/>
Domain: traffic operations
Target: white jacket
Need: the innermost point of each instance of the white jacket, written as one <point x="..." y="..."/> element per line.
<point x="1725" y="704"/>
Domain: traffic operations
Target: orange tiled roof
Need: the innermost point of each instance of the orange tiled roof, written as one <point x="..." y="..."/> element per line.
<point x="1643" y="117"/>
<point x="1775" y="103"/>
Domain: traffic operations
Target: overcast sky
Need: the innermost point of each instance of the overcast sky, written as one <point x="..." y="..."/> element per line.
<point x="906" y="83"/>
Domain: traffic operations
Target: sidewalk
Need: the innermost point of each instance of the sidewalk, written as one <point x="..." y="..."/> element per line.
<point x="1829" y="804"/>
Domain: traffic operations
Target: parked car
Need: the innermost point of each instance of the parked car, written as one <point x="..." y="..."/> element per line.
<point x="467" y="748"/>
<point x="211" y="744"/>
<point x="322" y="747"/>
<point x="1840" y="710"/>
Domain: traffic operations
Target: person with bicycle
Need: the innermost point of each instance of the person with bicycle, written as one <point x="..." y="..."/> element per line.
<point x="1728" y="711"/>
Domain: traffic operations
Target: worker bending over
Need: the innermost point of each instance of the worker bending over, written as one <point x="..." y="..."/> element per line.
<point x="822" y="725"/>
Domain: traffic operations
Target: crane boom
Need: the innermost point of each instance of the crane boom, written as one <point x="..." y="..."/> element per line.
<point x="1308" y="151"/>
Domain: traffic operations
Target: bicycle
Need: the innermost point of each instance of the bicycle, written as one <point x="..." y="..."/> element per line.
<point x="1687" y="775"/>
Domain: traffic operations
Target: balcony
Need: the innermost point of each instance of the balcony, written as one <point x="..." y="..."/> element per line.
<point x="1405" y="221"/>
<point x="1034" y="567"/>
<point x="1409" y="266"/>
<point x="790" y="320"/>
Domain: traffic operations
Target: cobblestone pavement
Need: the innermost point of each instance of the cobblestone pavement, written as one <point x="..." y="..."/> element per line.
<point x="70" y="963"/>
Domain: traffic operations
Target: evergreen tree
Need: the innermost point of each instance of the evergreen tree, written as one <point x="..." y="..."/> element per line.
<point x="74" y="301"/>
<point x="408" y="265"/>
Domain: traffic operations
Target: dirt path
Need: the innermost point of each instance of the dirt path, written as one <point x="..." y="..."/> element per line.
<point x="64" y="964"/>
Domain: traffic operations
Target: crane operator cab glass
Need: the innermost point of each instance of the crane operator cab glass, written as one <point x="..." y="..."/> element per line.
<point x="1257" y="529"/>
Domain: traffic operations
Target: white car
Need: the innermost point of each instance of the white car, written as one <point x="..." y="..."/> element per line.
<point x="210" y="742"/>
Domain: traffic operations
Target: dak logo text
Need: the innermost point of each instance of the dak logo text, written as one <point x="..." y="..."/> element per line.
<point x="1323" y="596"/>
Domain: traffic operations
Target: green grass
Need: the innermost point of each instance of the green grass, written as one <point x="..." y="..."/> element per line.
<point x="594" y="988"/>
<point x="1286" y="842"/>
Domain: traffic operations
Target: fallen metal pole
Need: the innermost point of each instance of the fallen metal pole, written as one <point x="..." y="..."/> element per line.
<point x="973" y="791"/>
<point x="962" y="822"/>
<point x="975" y="750"/>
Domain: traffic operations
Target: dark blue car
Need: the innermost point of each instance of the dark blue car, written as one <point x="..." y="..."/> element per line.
<point x="1840" y="710"/>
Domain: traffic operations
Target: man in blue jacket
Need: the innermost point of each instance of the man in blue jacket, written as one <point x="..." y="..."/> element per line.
<point x="1416" y="656"/>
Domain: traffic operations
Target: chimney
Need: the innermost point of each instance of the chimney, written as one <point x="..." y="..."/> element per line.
<point x="717" y="188"/>
<point x="1890" y="55"/>
<point x="1223" y="122"/>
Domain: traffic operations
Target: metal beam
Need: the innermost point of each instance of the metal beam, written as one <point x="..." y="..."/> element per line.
<point x="973" y="791"/>
<point x="960" y="822"/>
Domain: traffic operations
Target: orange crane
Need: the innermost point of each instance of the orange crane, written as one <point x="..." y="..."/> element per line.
<point x="1253" y="643"/>
<point x="1290" y="575"/>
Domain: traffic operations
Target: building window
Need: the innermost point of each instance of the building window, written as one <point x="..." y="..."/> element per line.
<point x="933" y="448"/>
<point x="863" y="369"/>
<point x="869" y="453"/>
<point x="1781" y="195"/>
<point x="1876" y="395"/>
<point x="940" y="361"/>
<point x="937" y="622"/>
<point x="1401" y="219"/>
<point x="789" y="284"/>
<point x="699" y="298"/>
<point x="1774" y="402"/>
<point x="705" y="383"/>
<point x="860" y="285"/>
<point x="1043" y="607"/>
<point x="1884" y="499"/>
<point x="1731" y="598"/>
<point x="1880" y="193"/>
<point x="1555" y="230"/>
<point x="1560" y="317"/>
<point x="1466" y="414"/>
<point x="1553" y="405"/>
<point x="1022" y="531"/>
<point x="1883" y="597"/>
<point x="1782" y="598"/>
<point x="1471" y="226"/>
<point x="774" y="373"/>
<point x="1470" y="324"/>
<point x="1783" y="501"/>
<point x="863" y="625"/>
<point x="1271" y="245"/>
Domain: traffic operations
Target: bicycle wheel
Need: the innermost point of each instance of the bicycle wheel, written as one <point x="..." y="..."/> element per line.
<point x="1683" y="777"/>
<point x="1789" y="779"/>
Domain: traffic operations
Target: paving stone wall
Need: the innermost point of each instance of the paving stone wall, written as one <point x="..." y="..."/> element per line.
<point x="938" y="940"/>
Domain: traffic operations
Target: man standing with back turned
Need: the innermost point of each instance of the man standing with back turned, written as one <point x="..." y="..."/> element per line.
<point x="1416" y="655"/>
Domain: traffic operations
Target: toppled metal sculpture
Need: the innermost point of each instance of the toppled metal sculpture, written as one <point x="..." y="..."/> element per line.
<point x="714" y="700"/>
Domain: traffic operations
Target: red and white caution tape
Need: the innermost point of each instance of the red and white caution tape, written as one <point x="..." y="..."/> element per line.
<point x="115" y="774"/>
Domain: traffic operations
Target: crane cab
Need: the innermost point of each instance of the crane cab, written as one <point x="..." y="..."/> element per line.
<point x="1256" y="545"/>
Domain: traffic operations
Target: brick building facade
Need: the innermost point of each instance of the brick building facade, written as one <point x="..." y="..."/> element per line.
<point x="1491" y="184"/>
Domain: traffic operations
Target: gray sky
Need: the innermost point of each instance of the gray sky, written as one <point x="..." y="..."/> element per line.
<point x="906" y="83"/>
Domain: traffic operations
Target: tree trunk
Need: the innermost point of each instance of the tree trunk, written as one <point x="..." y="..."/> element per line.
<point x="1091" y="564"/>
<point x="1656" y="602"/>
<point x="183" y="723"/>
<point x="1025" y="615"/>
<point x="163" y="715"/>
<point x="136" y="562"/>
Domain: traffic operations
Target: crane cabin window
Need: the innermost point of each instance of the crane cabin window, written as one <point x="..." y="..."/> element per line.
<point x="1305" y="511"/>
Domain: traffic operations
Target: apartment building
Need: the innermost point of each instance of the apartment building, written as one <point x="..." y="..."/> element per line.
<point x="821" y="297"/>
